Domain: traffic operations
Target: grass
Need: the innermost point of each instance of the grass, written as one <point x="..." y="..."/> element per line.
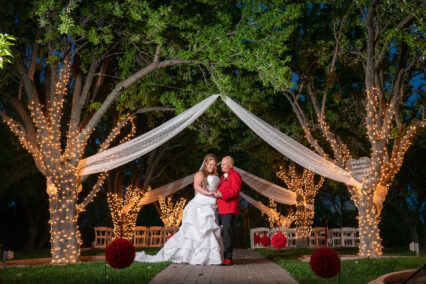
<point x="352" y="271"/>
<point x="87" y="272"/>
<point x="42" y="253"/>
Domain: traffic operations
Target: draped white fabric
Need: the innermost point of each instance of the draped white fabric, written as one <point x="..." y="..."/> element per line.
<point x="291" y="148"/>
<point x="143" y="144"/>
<point x="269" y="189"/>
<point x="268" y="211"/>
<point x="133" y="149"/>
<point x="264" y="187"/>
<point x="166" y="190"/>
<point x="265" y="209"/>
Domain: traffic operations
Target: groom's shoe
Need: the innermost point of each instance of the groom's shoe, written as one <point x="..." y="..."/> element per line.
<point x="226" y="262"/>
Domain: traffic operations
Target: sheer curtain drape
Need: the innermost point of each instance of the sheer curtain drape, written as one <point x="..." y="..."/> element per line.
<point x="291" y="148"/>
<point x="264" y="187"/>
<point x="139" y="146"/>
<point x="143" y="144"/>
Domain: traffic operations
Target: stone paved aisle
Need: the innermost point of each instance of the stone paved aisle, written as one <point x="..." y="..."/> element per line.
<point x="249" y="267"/>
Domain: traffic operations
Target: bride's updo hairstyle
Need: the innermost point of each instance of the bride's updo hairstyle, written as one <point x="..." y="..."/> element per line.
<point x="207" y="159"/>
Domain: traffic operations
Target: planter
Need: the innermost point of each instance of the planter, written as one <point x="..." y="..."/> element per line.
<point x="394" y="277"/>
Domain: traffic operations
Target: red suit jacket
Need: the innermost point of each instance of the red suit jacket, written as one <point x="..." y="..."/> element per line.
<point x="230" y="189"/>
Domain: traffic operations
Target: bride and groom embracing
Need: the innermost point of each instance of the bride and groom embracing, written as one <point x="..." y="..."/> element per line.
<point x="199" y="239"/>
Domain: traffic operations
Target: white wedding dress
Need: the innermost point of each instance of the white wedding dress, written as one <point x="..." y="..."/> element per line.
<point x="198" y="240"/>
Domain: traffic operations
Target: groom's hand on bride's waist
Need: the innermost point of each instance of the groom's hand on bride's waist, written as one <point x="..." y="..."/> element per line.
<point x="218" y="194"/>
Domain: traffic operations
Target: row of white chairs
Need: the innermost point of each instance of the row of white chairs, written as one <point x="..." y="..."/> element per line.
<point x="143" y="236"/>
<point x="336" y="237"/>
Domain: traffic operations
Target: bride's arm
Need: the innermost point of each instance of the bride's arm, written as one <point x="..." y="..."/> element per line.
<point x="198" y="178"/>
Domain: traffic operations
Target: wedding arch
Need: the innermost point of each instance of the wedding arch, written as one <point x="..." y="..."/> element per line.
<point x="133" y="149"/>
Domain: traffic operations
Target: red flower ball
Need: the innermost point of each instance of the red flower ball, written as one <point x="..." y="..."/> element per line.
<point x="325" y="262"/>
<point x="120" y="253"/>
<point x="256" y="239"/>
<point x="265" y="241"/>
<point x="279" y="240"/>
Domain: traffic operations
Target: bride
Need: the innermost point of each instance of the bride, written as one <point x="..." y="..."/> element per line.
<point x="198" y="240"/>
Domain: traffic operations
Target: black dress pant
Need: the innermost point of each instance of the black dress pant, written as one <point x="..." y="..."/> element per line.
<point x="227" y="220"/>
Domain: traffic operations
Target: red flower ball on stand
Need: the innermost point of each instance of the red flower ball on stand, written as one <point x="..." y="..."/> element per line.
<point x="120" y="253"/>
<point x="265" y="241"/>
<point x="325" y="262"/>
<point x="279" y="241"/>
<point x="256" y="239"/>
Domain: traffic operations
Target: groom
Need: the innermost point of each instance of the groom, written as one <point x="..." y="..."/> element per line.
<point x="227" y="204"/>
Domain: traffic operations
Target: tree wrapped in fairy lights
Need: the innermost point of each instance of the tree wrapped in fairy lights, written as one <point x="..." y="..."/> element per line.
<point x="305" y="188"/>
<point x="171" y="212"/>
<point x="274" y="217"/>
<point x="377" y="113"/>
<point x="124" y="211"/>
<point x="65" y="78"/>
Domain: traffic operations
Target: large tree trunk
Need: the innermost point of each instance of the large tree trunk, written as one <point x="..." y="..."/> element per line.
<point x="369" y="233"/>
<point x="65" y="236"/>
<point x="414" y="236"/>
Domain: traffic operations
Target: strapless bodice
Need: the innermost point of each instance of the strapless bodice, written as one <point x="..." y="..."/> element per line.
<point x="213" y="183"/>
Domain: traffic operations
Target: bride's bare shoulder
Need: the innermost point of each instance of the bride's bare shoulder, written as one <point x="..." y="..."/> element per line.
<point x="199" y="174"/>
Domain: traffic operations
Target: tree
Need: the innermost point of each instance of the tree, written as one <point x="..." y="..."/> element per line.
<point x="74" y="47"/>
<point x="305" y="188"/>
<point x="407" y="193"/>
<point x="384" y="43"/>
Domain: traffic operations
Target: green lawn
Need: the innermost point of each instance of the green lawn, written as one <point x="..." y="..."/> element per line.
<point x="41" y="253"/>
<point x="88" y="272"/>
<point x="352" y="271"/>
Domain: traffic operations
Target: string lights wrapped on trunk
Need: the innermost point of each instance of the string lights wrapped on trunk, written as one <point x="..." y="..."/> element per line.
<point x="125" y="212"/>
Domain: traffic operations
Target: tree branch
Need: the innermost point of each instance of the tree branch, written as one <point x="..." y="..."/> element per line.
<point x="116" y="130"/>
<point x="29" y="126"/>
<point x="74" y="118"/>
<point x="157" y="54"/>
<point x="31" y="146"/>
<point x="34" y="56"/>
<point x="89" y="198"/>
<point x="333" y="63"/>
<point x="117" y="91"/>
<point x="403" y="24"/>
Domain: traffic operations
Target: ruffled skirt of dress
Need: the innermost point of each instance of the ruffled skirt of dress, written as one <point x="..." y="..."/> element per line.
<point x="198" y="240"/>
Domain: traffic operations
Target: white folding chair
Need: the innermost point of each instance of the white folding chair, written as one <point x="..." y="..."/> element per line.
<point x="140" y="237"/>
<point x="336" y="234"/>
<point x="167" y="232"/>
<point x="100" y="237"/>
<point x="348" y="237"/>
<point x="356" y="237"/>
<point x="156" y="235"/>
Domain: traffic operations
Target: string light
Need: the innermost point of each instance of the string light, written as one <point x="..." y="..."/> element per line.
<point x="124" y="212"/>
<point x="368" y="199"/>
<point x="274" y="217"/>
<point x="305" y="188"/>
<point x="171" y="212"/>
<point x="58" y="165"/>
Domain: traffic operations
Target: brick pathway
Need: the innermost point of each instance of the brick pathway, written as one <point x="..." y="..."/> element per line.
<point x="249" y="267"/>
